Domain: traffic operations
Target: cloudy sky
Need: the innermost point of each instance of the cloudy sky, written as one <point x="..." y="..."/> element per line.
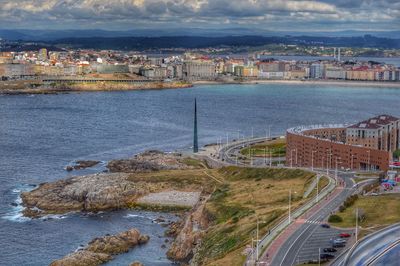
<point x="273" y="15"/>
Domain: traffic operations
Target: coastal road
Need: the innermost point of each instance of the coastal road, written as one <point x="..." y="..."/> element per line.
<point x="228" y="152"/>
<point x="290" y="249"/>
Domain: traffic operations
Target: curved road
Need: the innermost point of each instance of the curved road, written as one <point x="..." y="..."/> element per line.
<point x="371" y="248"/>
<point x="289" y="250"/>
<point x="291" y="247"/>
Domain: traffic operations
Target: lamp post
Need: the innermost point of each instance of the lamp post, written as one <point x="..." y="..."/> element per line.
<point x="270" y="158"/>
<point x="265" y="156"/>
<point x="291" y="157"/>
<point x="356" y="225"/>
<point x="317" y="188"/>
<point x="336" y="169"/>
<point x="312" y="160"/>
<point x="369" y="160"/>
<point x="352" y="161"/>
<point x="290" y="205"/>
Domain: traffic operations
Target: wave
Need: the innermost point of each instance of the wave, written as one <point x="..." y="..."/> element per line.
<point x="16" y="212"/>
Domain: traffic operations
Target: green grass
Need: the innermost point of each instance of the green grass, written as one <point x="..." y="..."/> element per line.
<point x="276" y="147"/>
<point x="195" y="163"/>
<point x="235" y="205"/>
<point x="233" y="173"/>
<point x="379" y="211"/>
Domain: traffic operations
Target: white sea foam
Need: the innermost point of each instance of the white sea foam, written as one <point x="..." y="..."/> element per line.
<point x="15" y="213"/>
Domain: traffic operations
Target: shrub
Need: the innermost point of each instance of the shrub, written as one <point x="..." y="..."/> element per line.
<point x="335" y="219"/>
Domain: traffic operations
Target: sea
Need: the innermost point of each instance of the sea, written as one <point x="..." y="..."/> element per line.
<point x="41" y="134"/>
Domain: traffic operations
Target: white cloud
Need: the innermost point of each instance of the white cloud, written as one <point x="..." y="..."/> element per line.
<point x="279" y="14"/>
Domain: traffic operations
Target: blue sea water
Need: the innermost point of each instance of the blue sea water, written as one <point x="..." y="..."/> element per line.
<point x="41" y="134"/>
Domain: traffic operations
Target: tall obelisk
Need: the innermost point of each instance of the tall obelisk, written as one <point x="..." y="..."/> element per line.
<point x="195" y="139"/>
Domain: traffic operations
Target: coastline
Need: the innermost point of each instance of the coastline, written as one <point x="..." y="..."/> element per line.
<point x="91" y="87"/>
<point x="345" y="83"/>
<point x="24" y="88"/>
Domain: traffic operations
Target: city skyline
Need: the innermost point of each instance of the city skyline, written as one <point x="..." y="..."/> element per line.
<point x="285" y="16"/>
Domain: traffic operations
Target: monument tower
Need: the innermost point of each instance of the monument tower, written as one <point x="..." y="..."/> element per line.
<point x="195" y="138"/>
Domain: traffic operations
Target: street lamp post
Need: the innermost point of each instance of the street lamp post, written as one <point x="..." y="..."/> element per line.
<point x="291" y="158"/>
<point x="356" y="225"/>
<point x="265" y="156"/>
<point x="336" y="169"/>
<point x="352" y="161"/>
<point x="312" y="160"/>
<point x="369" y="160"/>
<point x="290" y="199"/>
<point x="290" y="205"/>
<point x="317" y="188"/>
<point x="270" y="158"/>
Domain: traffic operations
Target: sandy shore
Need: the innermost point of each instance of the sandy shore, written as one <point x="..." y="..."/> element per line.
<point x="345" y="83"/>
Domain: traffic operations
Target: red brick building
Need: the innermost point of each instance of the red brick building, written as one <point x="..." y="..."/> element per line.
<point x="328" y="147"/>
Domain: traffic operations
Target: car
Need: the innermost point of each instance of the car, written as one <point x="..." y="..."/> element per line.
<point x="325" y="226"/>
<point x="338" y="245"/>
<point x="344" y="235"/>
<point x="339" y="241"/>
<point x="326" y="256"/>
<point x="330" y="250"/>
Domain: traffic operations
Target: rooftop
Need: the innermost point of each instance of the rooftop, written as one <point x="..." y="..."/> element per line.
<point x="375" y="122"/>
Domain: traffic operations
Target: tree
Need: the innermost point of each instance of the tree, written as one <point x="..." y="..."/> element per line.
<point x="396" y="154"/>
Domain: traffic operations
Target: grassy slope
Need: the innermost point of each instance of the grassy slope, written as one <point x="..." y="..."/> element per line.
<point x="380" y="211"/>
<point x="277" y="146"/>
<point x="247" y="193"/>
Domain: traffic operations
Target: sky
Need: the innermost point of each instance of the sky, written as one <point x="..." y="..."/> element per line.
<point x="270" y="15"/>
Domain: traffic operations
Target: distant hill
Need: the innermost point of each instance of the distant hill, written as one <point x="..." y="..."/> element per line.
<point x="144" y="43"/>
<point x="51" y="35"/>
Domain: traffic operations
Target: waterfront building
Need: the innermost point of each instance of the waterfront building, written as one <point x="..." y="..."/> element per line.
<point x="367" y="145"/>
<point x="42" y="55"/>
<point x="198" y="70"/>
<point x="380" y="132"/>
<point x="246" y="71"/>
<point x="316" y="71"/>
<point x="335" y="73"/>
<point x="361" y="73"/>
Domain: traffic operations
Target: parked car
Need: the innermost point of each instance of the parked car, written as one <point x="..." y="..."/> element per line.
<point x="325" y="226"/>
<point x="338" y="245"/>
<point x="330" y="249"/>
<point x="338" y="241"/>
<point x="344" y="235"/>
<point x="326" y="256"/>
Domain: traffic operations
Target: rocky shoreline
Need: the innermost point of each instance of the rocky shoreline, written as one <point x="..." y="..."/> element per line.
<point x="123" y="187"/>
<point x="89" y="87"/>
<point x="100" y="250"/>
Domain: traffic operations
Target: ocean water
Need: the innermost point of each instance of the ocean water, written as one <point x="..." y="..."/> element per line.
<point x="41" y="134"/>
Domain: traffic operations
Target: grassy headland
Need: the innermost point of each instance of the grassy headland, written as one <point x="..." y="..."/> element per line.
<point x="247" y="194"/>
<point x="275" y="148"/>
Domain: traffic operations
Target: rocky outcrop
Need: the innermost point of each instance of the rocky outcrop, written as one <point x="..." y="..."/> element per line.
<point x="82" y="257"/>
<point x="136" y="263"/>
<point x="81" y="165"/>
<point x="83" y="193"/>
<point x="100" y="250"/>
<point x="149" y="161"/>
<point x="189" y="236"/>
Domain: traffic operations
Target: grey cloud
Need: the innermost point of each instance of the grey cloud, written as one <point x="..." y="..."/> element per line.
<point x="282" y="14"/>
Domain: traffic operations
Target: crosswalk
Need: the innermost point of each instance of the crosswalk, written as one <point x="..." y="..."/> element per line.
<point x="302" y="221"/>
